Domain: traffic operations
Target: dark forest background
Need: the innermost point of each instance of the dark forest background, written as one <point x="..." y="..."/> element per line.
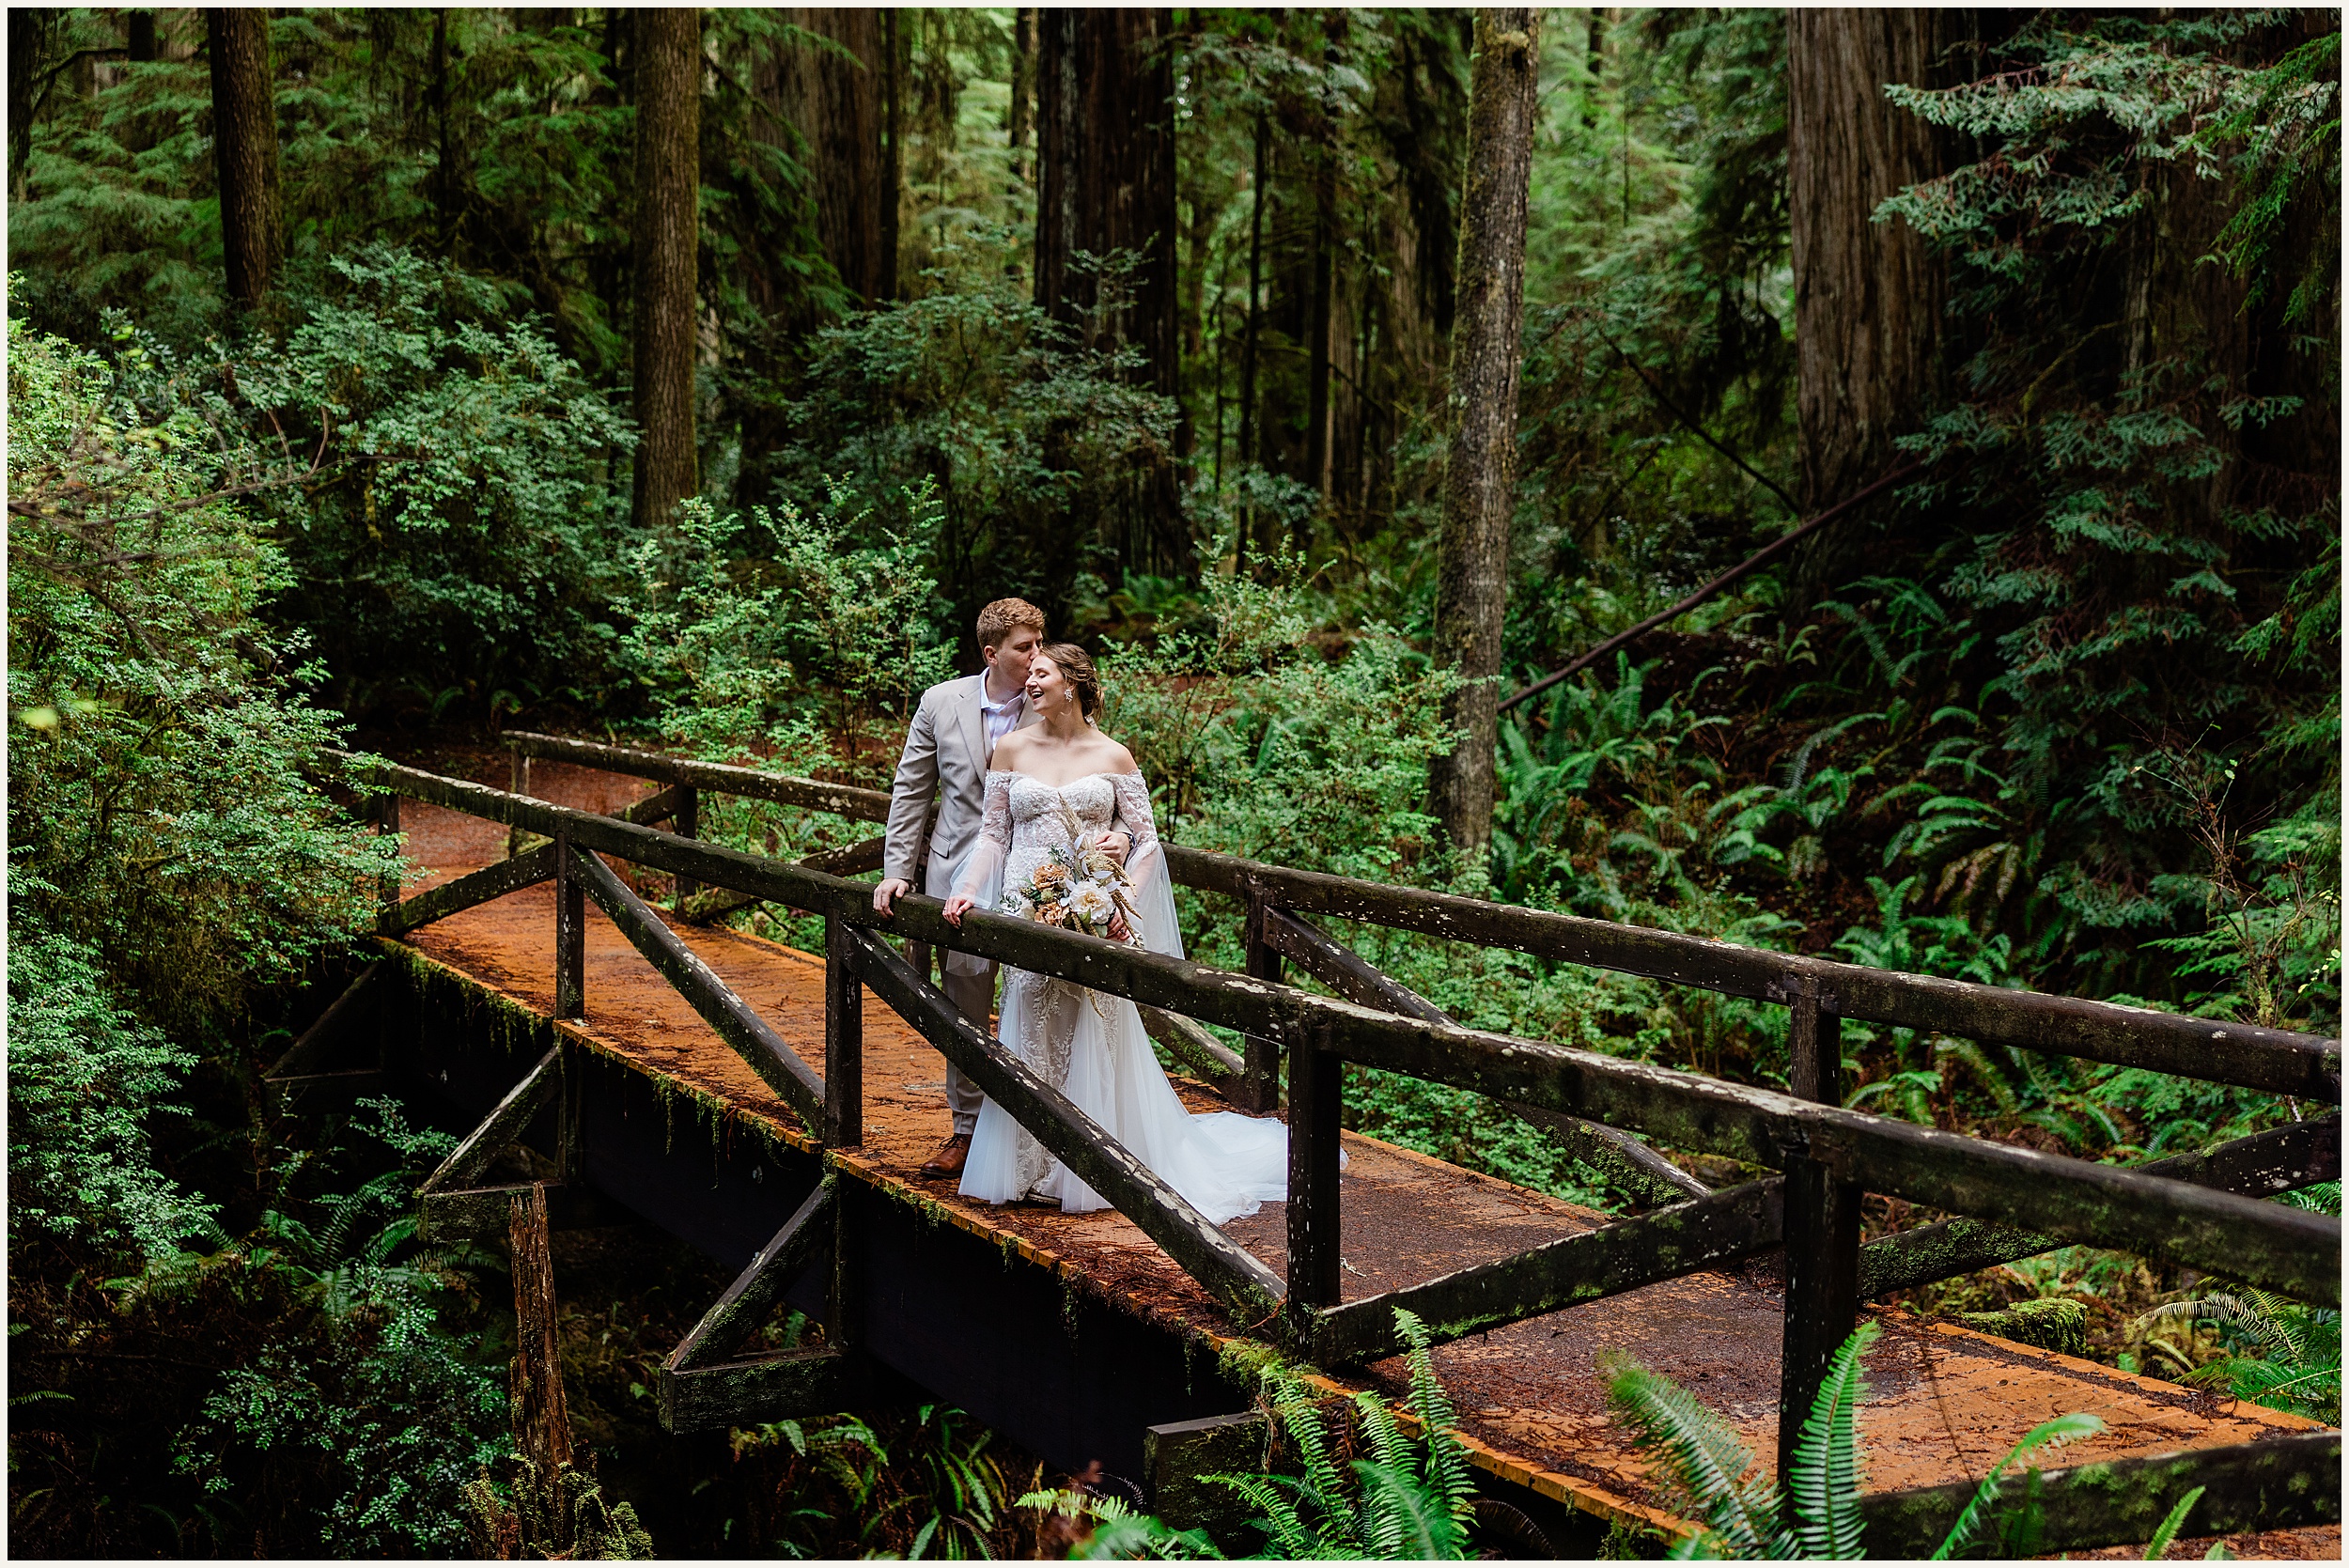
<point x="694" y="376"/>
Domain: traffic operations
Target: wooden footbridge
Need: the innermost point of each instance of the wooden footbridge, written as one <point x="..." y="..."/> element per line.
<point x="771" y="1108"/>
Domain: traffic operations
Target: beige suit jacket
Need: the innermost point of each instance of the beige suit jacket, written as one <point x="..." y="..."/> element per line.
<point x="945" y="756"/>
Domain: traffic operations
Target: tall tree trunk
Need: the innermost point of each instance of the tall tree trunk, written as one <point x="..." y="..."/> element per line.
<point x="1252" y="330"/>
<point x="1105" y="149"/>
<point x="894" y="130"/>
<point x="1473" y="551"/>
<point x="836" y="103"/>
<point x="1317" y="321"/>
<point x="1022" y="81"/>
<point x="668" y="59"/>
<point x="141" y="40"/>
<point x="1867" y="297"/>
<point x="443" y="183"/>
<point x="245" y="143"/>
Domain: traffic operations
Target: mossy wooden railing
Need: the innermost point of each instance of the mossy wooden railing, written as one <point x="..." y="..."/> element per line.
<point x="2204" y="1212"/>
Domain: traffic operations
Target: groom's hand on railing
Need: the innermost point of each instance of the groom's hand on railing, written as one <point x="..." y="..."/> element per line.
<point x="955" y="906"/>
<point x="886" y="895"/>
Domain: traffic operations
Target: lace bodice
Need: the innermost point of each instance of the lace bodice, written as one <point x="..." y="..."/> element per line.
<point x="1026" y="814"/>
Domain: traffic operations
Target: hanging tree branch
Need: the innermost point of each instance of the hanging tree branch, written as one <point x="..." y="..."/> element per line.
<point x="1759" y="559"/>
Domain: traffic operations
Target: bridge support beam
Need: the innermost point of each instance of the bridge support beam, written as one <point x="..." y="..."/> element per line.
<point x="1822" y="1227"/>
<point x="2284" y="1483"/>
<point x="704" y="1383"/>
<point x="1175" y="1457"/>
<point x="304" y="1081"/>
<point x="451" y="1205"/>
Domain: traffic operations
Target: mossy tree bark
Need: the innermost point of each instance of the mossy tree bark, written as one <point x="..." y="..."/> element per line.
<point x="1472" y="587"/>
<point x="244" y="145"/>
<point x="1105" y="182"/>
<point x="668" y="233"/>
<point x="835" y="100"/>
<point x="1868" y="299"/>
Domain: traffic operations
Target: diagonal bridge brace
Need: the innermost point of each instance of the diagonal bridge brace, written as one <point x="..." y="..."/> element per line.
<point x="451" y="1202"/>
<point x="1229" y="1272"/>
<point x="751" y="1036"/>
<point x="705" y="1384"/>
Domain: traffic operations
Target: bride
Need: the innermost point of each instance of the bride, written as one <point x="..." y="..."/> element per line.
<point x="1058" y="774"/>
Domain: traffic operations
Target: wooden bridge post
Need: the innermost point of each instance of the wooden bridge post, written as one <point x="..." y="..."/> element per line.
<point x="516" y="783"/>
<point x="542" y="1427"/>
<point x="1257" y="1088"/>
<point x="570" y="1144"/>
<point x="844" y="1039"/>
<point x="686" y="824"/>
<point x="1822" y="1227"/>
<point x="386" y="815"/>
<point x="1316" y="1078"/>
<point x="571" y="933"/>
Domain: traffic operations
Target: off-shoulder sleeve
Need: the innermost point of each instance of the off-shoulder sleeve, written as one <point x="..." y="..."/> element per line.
<point x="1146" y="867"/>
<point x="984" y="865"/>
<point x="980" y="878"/>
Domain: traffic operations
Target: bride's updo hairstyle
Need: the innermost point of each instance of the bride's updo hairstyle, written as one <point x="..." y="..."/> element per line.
<point x="1076" y="667"/>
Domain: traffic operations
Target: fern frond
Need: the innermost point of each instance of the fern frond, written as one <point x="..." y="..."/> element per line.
<point x="2167" y="1530"/>
<point x="1704" y="1464"/>
<point x="2051" y="1433"/>
<point x="1301" y="1417"/>
<point x="1411" y="1522"/>
<point x="1384" y="1432"/>
<point x="1286" y="1531"/>
<point x="1447" y="1468"/>
<point x="1823" y="1481"/>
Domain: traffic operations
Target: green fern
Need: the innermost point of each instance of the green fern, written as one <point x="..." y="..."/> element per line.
<point x="1414" y="1500"/>
<point x="2051" y="1433"/>
<point x="2167" y="1530"/>
<point x="1824" y="1480"/>
<point x="1706" y="1472"/>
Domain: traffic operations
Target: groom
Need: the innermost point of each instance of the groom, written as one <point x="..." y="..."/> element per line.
<point x="954" y="731"/>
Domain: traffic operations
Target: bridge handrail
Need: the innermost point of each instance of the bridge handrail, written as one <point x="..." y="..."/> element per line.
<point x="2282" y="1248"/>
<point x="2247" y="1056"/>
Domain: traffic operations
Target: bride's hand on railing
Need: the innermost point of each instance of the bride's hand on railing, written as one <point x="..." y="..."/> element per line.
<point x="955" y="906"/>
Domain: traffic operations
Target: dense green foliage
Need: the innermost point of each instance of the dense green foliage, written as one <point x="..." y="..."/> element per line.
<point x="2071" y="721"/>
<point x="1403" y="1496"/>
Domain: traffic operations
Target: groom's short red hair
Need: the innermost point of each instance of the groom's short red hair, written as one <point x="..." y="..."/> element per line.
<point x="1004" y="616"/>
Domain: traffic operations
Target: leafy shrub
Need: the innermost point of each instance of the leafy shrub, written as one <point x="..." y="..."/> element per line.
<point x="361" y="1403"/>
<point x="1041" y="450"/>
<point x="803" y="637"/>
<point x="162" y="805"/>
<point x="85" y="1077"/>
<point x="462" y="534"/>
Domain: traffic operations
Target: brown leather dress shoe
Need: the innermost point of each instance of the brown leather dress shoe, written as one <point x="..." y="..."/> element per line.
<point x="949" y="1159"/>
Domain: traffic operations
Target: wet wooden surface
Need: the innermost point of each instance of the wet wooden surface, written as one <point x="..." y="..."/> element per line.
<point x="1946" y="1402"/>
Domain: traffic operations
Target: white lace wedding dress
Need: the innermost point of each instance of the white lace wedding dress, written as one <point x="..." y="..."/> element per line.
<point x="1090" y="1046"/>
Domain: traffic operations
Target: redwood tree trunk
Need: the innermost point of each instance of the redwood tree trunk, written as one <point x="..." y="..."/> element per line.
<point x="244" y="144"/>
<point x="1105" y="182"/>
<point x="1105" y="140"/>
<point x="1472" y="583"/>
<point x="1022" y="80"/>
<point x="668" y="232"/>
<point x="1867" y="297"/>
<point x="836" y="103"/>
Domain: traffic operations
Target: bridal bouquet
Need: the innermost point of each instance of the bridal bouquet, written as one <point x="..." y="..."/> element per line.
<point x="1079" y="888"/>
